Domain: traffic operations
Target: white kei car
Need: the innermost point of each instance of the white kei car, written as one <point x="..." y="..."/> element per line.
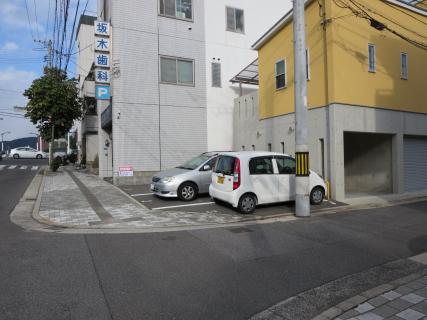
<point x="27" y="152"/>
<point x="248" y="178"/>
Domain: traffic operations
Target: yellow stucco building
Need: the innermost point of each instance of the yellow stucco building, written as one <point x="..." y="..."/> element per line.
<point x="367" y="94"/>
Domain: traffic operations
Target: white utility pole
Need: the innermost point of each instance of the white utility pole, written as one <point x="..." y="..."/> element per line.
<point x="2" y="134"/>
<point x="302" y="189"/>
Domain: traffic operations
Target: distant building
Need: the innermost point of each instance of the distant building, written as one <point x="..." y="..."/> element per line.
<point x="367" y="97"/>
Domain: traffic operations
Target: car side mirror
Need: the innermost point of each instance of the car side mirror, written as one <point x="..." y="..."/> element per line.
<point x="207" y="167"/>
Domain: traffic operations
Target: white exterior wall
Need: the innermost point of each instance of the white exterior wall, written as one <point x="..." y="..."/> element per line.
<point x="233" y="50"/>
<point x="155" y="126"/>
<point x="85" y="40"/>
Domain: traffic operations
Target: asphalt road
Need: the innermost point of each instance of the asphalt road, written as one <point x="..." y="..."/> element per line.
<point x="225" y="273"/>
<point x="204" y="204"/>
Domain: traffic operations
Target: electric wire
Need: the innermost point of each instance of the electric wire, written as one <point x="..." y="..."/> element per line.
<point x="35" y="16"/>
<point x="70" y="47"/>
<point x="362" y="13"/>
<point x="48" y="18"/>
<point x="28" y="18"/>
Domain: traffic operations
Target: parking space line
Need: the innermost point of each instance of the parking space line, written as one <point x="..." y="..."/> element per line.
<point x="331" y="202"/>
<point x="141" y="194"/>
<point x="183" y="205"/>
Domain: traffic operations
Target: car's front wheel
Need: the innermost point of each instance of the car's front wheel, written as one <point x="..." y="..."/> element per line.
<point x="187" y="191"/>
<point x="16" y="156"/>
<point x="247" y="203"/>
<point x="317" y="195"/>
<point x="39" y="156"/>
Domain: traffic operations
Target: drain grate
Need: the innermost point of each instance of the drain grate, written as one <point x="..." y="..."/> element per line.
<point x="240" y="230"/>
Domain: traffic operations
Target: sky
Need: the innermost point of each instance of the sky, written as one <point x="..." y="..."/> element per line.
<point x="22" y="59"/>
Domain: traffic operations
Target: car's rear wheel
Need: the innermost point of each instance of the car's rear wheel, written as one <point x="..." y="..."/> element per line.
<point x="317" y="195"/>
<point x="187" y="191"/>
<point x="39" y="156"/>
<point x="16" y="156"/>
<point x="247" y="203"/>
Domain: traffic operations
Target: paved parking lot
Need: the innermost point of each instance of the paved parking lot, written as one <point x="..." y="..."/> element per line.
<point x="204" y="204"/>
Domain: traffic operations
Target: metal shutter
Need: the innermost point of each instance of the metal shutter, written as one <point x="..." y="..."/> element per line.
<point x="415" y="163"/>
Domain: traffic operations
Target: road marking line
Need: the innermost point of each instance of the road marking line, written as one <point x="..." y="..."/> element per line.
<point x="34" y="168"/>
<point x="331" y="202"/>
<point x="23" y="168"/>
<point x="184" y="205"/>
<point x="146" y="201"/>
<point x="11" y="167"/>
<point x="2" y="166"/>
<point x="141" y="194"/>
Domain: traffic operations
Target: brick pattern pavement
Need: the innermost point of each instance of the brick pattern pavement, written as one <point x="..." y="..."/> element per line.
<point x="407" y="302"/>
<point x="64" y="204"/>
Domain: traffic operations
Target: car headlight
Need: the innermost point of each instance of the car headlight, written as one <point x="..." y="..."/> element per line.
<point x="167" y="179"/>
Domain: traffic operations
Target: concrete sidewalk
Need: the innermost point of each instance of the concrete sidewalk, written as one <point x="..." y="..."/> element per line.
<point x="76" y="199"/>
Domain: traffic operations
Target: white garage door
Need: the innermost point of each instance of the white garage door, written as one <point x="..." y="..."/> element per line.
<point x="415" y="163"/>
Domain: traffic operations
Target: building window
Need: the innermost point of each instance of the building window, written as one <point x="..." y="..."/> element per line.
<point x="283" y="147"/>
<point x="307" y="63"/>
<point x="371" y="58"/>
<point x="269" y="147"/>
<point x="280" y="74"/>
<point x="177" y="71"/>
<point x="404" y="66"/>
<point x="216" y="74"/>
<point x="235" y="20"/>
<point x="181" y="9"/>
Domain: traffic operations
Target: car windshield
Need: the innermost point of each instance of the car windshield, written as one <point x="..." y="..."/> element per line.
<point x="195" y="162"/>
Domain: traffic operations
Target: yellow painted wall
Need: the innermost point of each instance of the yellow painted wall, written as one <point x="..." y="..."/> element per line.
<point x="276" y="102"/>
<point x="353" y="84"/>
<point x="348" y="80"/>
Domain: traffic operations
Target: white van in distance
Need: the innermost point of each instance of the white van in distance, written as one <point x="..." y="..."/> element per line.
<point x="249" y="178"/>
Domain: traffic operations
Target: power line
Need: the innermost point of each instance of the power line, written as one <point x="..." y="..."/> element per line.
<point x="28" y="18"/>
<point x="72" y="35"/>
<point x="35" y="15"/>
<point x="48" y="18"/>
<point x="361" y="13"/>
<point x="383" y="16"/>
<point x="404" y="12"/>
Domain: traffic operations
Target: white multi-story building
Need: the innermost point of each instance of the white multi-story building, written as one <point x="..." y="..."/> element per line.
<point x="171" y="65"/>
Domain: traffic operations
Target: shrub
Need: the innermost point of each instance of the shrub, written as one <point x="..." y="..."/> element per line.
<point x="55" y="163"/>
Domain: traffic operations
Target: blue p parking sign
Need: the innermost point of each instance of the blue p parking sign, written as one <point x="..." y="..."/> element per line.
<point x="102" y="92"/>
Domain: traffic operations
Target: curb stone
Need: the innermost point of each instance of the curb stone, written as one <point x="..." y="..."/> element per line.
<point x="355" y="301"/>
<point x="343" y="293"/>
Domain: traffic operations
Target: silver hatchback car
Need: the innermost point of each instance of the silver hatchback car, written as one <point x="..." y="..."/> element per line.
<point x="186" y="181"/>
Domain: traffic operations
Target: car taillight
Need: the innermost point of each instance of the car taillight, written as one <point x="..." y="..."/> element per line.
<point x="236" y="176"/>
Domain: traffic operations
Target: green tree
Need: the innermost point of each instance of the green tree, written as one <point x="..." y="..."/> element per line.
<point x="53" y="104"/>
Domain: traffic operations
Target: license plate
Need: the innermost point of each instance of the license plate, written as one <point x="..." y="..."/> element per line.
<point x="152" y="187"/>
<point x="220" y="180"/>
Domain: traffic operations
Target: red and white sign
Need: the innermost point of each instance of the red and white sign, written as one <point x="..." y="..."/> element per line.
<point x="125" y="171"/>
